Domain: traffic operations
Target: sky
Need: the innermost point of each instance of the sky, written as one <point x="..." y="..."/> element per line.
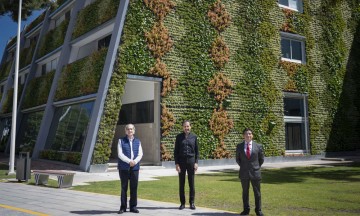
<point x="8" y="29"/>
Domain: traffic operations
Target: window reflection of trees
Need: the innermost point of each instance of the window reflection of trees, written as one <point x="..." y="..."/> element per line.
<point x="29" y="129"/>
<point x="71" y="124"/>
<point x="5" y="126"/>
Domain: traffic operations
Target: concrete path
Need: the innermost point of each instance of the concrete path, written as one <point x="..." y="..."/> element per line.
<point x="37" y="200"/>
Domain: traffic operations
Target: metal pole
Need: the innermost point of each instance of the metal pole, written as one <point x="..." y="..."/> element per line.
<point x="14" y="109"/>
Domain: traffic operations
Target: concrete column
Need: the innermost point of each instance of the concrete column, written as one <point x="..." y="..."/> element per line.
<point x="63" y="60"/>
<point x="103" y="87"/>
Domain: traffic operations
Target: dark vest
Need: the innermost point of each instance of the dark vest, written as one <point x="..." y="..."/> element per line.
<point x="125" y="143"/>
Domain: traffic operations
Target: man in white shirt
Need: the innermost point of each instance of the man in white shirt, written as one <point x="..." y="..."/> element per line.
<point x="130" y="153"/>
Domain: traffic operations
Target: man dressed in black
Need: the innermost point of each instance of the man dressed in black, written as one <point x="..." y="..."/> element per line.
<point x="186" y="155"/>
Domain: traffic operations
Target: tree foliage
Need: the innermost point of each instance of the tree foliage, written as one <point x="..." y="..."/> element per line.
<point x="11" y="8"/>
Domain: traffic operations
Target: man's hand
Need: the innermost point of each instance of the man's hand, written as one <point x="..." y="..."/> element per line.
<point x="132" y="163"/>
<point x="195" y="167"/>
<point x="178" y="168"/>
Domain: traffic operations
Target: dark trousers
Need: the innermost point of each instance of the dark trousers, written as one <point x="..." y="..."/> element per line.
<point x="245" y="183"/>
<point x="189" y="168"/>
<point x="125" y="176"/>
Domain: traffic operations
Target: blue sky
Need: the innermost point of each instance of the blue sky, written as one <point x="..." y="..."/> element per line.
<point x="8" y="29"/>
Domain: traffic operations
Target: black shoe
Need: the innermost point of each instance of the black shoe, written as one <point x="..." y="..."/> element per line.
<point x="259" y="213"/>
<point x="181" y="207"/>
<point x="192" y="206"/>
<point x="121" y="211"/>
<point x="245" y="212"/>
<point x="134" y="210"/>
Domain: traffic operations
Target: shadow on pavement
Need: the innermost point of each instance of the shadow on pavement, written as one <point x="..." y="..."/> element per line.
<point x="93" y="212"/>
<point x="157" y="208"/>
<point x="216" y="214"/>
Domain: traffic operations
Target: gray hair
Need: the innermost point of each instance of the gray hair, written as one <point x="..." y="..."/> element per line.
<point x="129" y="125"/>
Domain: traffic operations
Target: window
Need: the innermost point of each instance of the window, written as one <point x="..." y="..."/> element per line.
<point x="59" y="20"/>
<point x="5" y="127"/>
<point x="296" y="126"/>
<point x="104" y="42"/>
<point x="136" y="113"/>
<point x="69" y="127"/>
<point x="43" y="69"/>
<point x="296" y="5"/>
<point x="292" y="48"/>
<point x="49" y="66"/>
<point x="29" y="129"/>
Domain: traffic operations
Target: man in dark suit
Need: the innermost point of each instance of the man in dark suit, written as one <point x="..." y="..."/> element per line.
<point x="186" y="154"/>
<point x="130" y="153"/>
<point x="250" y="157"/>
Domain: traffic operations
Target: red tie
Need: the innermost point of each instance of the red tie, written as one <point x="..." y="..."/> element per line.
<point x="248" y="151"/>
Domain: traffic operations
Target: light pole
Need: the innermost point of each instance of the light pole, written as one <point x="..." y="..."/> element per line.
<point x="14" y="109"/>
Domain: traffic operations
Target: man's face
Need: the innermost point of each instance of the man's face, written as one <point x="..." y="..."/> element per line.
<point x="130" y="131"/>
<point x="186" y="127"/>
<point x="248" y="136"/>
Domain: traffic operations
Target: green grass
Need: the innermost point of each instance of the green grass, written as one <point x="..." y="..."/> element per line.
<point x="289" y="191"/>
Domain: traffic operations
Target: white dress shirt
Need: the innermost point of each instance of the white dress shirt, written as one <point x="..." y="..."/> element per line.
<point x="125" y="158"/>
<point x="245" y="146"/>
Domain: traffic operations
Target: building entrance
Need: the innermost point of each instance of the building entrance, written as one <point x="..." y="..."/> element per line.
<point x="141" y="107"/>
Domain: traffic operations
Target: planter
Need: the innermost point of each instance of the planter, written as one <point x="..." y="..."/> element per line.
<point x="98" y="168"/>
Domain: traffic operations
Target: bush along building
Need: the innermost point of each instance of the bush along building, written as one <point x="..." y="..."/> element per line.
<point x="287" y="69"/>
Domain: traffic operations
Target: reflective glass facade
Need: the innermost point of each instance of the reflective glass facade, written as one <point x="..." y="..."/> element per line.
<point x="69" y="127"/>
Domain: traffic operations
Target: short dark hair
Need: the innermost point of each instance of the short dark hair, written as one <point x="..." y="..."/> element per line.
<point x="186" y="121"/>
<point x="247" y="129"/>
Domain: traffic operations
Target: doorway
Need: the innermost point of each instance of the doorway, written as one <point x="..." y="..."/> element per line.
<point x="141" y="107"/>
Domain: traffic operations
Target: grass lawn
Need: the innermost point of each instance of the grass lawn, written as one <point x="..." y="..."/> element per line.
<point x="289" y="191"/>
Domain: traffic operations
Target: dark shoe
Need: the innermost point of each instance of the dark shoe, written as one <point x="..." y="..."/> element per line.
<point x="134" y="210"/>
<point x="192" y="206"/>
<point x="121" y="211"/>
<point x="259" y="213"/>
<point x="245" y="212"/>
<point x="181" y="207"/>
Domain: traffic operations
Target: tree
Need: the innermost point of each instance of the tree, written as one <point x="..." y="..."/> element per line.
<point x="11" y="8"/>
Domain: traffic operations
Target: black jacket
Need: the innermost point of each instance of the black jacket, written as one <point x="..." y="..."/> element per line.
<point x="186" y="149"/>
<point x="250" y="168"/>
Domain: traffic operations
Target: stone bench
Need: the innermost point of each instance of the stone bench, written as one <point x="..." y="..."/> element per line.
<point x="65" y="178"/>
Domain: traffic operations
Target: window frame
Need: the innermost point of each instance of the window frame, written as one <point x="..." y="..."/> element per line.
<point x="297" y="38"/>
<point x="304" y="120"/>
<point x="300" y="9"/>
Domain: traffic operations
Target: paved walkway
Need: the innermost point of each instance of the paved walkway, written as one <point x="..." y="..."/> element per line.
<point x="23" y="200"/>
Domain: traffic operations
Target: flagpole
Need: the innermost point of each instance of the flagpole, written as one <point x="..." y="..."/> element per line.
<point x="14" y="108"/>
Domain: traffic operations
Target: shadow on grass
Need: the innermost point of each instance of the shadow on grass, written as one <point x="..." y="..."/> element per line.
<point x="298" y="174"/>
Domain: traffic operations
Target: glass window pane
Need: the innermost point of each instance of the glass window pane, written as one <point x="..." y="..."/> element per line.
<point x="294" y="4"/>
<point x="136" y="113"/>
<point x="69" y="127"/>
<point x="296" y="50"/>
<point x="5" y="128"/>
<point x="29" y="129"/>
<point x="53" y="64"/>
<point x="284" y="2"/>
<point x="293" y="107"/>
<point x="285" y="48"/>
<point x="144" y="112"/>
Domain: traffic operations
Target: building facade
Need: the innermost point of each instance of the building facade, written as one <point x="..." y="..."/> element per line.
<point x="288" y="69"/>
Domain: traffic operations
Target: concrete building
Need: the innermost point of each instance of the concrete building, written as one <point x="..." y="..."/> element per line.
<point x="88" y="67"/>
